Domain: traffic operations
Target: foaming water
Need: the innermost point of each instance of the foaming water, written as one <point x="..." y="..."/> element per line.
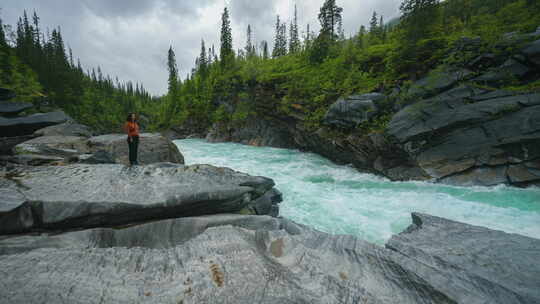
<point x="339" y="199"/>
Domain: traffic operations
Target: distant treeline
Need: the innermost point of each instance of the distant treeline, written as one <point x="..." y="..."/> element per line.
<point x="40" y="70"/>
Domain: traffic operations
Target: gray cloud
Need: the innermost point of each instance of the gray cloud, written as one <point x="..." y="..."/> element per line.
<point x="130" y="38"/>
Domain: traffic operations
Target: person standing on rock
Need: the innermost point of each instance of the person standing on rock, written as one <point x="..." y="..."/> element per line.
<point x="132" y="129"/>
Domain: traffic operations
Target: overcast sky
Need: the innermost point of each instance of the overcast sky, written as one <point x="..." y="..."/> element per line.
<point x="130" y="38"/>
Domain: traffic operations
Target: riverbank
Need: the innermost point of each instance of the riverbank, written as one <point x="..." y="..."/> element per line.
<point x="340" y="200"/>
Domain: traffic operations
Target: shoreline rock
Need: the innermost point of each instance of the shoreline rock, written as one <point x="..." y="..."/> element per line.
<point x="209" y="259"/>
<point x="83" y="196"/>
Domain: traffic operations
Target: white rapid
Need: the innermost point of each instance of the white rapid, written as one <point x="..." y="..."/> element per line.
<point x="339" y="199"/>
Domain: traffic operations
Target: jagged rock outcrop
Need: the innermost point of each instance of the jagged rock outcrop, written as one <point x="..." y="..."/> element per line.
<point x="76" y="196"/>
<point x="57" y="145"/>
<point x="532" y="51"/>
<point x="351" y="111"/>
<point x="256" y="132"/>
<point x="153" y="148"/>
<point x="66" y="129"/>
<point x="29" y="124"/>
<point x="504" y="264"/>
<point x="11" y="108"/>
<point x="258" y="259"/>
<point x="475" y="139"/>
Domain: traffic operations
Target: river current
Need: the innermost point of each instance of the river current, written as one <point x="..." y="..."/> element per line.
<point x="340" y="200"/>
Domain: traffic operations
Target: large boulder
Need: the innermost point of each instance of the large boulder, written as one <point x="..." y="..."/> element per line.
<point x="20" y="126"/>
<point x="508" y="71"/>
<point x="507" y="264"/>
<point x="473" y="140"/>
<point x="153" y="148"/>
<point x="66" y="129"/>
<point x="436" y="82"/>
<point x="353" y="110"/>
<point x="8" y="143"/>
<point x="53" y="145"/>
<point x="76" y="196"/>
<point x="6" y="94"/>
<point x="247" y="259"/>
<point x="11" y="108"/>
<point x="532" y="51"/>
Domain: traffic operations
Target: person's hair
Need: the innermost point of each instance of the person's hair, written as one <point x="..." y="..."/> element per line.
<point x="129" y="117"/>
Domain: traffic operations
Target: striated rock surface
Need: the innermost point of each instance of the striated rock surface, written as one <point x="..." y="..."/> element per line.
<point x="153" y="148"/>
<point x="66" y="129"/>
<point x="53" y="145"/>
<point x="505" y="265"/>
<point x="256" y="132"/>
<point x="66" y="197"/>
<point x="10" y="127"/>
<point x="11" y="108"/>
<point x="259" y="259"/>
<point x="484" y="139"/>
<point x="351" y="111"/>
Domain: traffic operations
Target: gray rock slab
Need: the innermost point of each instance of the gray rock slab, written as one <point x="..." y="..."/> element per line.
<point x="353" y="110"/>
<point x="56" y="145"/>
<point x="506" y="263"/>
<point x="75" y="196"/>
<point x="8" y="143"/>
<point x="532" y="51"/>
<point x="66" y="129"/>
<point x="27" y="125"/>
<point x="437" y="82"/>
<point x="153" y="148"/>
<point x="433" y="116"/>
<point x="257" y="259"/>
<point x="6" y="94"/>
<point x="11" y="108"/>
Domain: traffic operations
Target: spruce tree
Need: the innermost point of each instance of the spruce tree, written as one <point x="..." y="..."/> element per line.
<point x="330" y="18"/>
<point x="374" y="25"/>
<point x="173" y="86"/>
<point x="3" y="40"/>
<point x="264" y="47"/>
<point x="226" y="51"/>
<point x="294" y="41"/>
<point x="173" y="72"/>
<point x="276" y="52"/>
<point x="360" y="37"/>
<point x="203" y="61"/>
<point x="249" y="48"/>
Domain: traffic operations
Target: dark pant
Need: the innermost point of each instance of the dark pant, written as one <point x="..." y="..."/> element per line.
<point x="133" y="146"/>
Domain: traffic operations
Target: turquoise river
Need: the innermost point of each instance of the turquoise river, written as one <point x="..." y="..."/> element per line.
<point x="340" y="200"/>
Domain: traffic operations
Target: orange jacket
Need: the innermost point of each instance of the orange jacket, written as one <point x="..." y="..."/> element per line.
<point x="131" y="128"/>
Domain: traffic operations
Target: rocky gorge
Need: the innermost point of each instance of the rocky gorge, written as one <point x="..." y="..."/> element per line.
<point x="78" y="226"/>
<point x="458" y="125"/>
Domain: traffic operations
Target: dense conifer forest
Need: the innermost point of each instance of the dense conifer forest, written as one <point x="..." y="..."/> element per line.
<point x="37" y="66"/>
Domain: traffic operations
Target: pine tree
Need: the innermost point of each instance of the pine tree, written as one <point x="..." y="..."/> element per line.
<point x="374" y="25"/>
<point x="173" y="71"/>
<point x="226" y="50"/>
<point x="360" y="37"/>
<point x="249" y="48"/>
<point x="294" y="41"/>
<point x="3" y="40"/>
<point x="330" y="18"/>
<point x="264" y="47"/>
<point x="382" y="29"/>
<point x="203" y="61"/>
<point x="280" y="42"/>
